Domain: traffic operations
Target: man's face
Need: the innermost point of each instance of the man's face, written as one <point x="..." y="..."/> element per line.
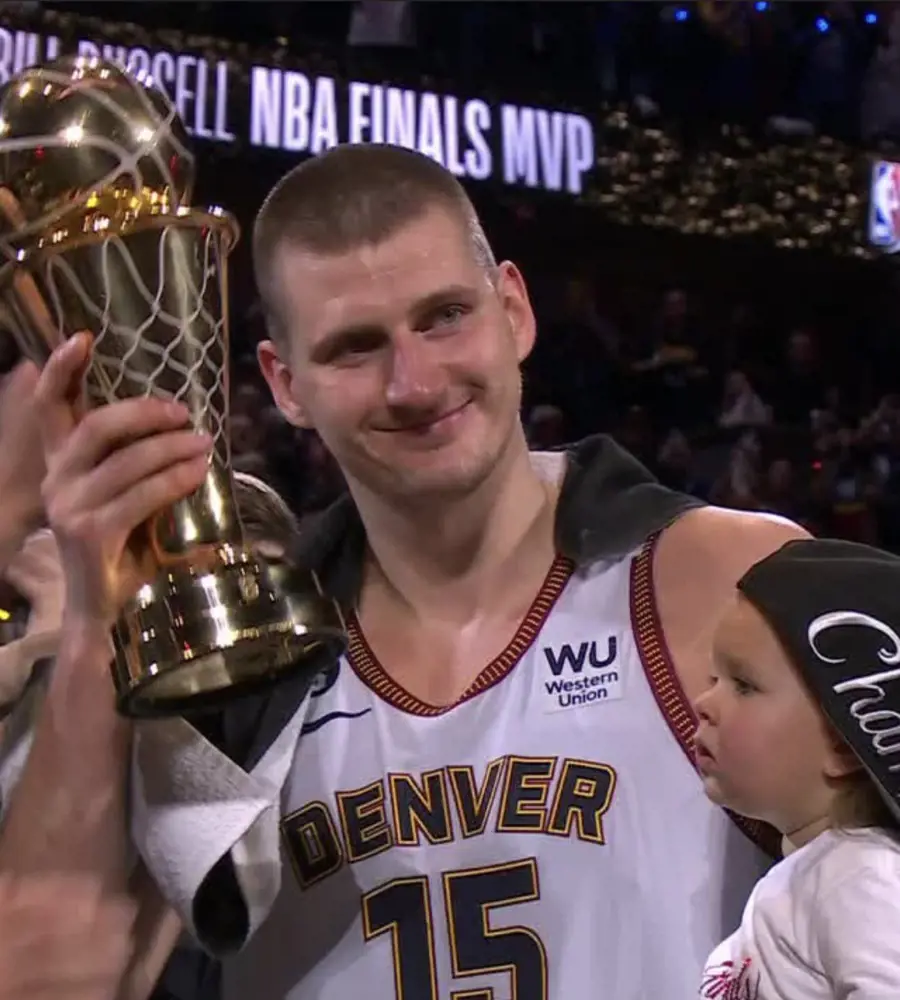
<point x="404" y="356"/>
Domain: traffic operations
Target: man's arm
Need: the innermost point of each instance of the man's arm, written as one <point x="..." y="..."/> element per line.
<point x="156" y="932"/>
<point x="154" y="928"/>
<point x="61" y="937"/>
<point x="697" y="564"/>
<point x="68" y="810"/>
<point x="107" y="472"/>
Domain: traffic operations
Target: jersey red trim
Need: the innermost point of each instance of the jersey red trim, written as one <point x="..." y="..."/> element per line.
<point x="373" y="675"/>
<point x="667" y="690"/>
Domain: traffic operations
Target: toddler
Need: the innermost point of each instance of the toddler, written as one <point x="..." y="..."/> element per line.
<point x="800" y="728"/>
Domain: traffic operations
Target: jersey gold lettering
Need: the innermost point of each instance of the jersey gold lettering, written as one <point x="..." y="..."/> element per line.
<point x="473" y="803"/>
<point x="583" y="795"/>
<point x="525" y="791"/>
<point x="537" y="795"/>
<point x="364" y="821"/>
<point x="420" y="809"/>
<point x="312" y="843"/>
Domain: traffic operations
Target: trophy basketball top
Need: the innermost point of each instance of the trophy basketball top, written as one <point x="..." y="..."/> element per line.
<point x="77" y="131"/>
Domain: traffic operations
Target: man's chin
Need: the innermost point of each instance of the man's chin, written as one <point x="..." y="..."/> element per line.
<point x="443" y="476"/>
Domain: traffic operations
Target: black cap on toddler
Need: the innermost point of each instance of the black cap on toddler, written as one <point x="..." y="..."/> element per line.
<point x="835" y="607"/>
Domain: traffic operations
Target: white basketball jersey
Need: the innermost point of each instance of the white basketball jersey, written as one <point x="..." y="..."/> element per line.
<point x="547" y="838"/>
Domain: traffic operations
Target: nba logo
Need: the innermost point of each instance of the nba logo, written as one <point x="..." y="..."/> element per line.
<point x="884" y="212"/>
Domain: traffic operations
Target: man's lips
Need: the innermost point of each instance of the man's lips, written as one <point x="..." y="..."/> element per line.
<point x="428" y="424"/>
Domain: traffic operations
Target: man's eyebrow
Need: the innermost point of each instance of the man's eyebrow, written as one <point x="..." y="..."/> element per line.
<point x="340" y="338"/>
<point x="344" y="338"/>
<point x="442" y="296"/>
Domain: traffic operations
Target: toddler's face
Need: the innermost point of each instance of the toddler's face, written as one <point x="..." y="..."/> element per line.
<point x="763" y="747"/>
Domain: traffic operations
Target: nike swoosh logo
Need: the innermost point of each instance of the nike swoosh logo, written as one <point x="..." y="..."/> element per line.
<point x="311" y="727"/>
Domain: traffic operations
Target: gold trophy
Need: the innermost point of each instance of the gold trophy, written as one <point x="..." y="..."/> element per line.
<point x="97" y="233"/>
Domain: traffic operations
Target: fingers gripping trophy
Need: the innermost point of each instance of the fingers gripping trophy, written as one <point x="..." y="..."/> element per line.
<point x="97" y="233"/>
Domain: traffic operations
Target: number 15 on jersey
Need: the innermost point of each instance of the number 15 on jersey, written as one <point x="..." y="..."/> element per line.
<point x="471" y="898"/>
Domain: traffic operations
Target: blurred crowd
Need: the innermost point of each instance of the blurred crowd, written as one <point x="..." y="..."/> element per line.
<point x="731" y="407"/>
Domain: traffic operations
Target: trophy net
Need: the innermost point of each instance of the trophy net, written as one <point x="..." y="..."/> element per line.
<point x="155" y="300"/>
<point x="177" y="351"/>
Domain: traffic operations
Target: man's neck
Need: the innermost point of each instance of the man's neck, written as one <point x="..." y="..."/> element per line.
<point x="453" y="556"/>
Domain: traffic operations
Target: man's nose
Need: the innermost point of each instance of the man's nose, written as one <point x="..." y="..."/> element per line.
<point x="415" y="379"/>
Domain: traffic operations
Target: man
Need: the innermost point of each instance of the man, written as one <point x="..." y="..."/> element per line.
<point x="487" y="797"/>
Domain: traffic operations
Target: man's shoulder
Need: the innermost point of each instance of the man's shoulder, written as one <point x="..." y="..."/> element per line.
<point x="697" y="563"/>
<point x="719" y="545"/>
<point x="700" y="557"/>
<point x="610" y="503"/>
<point x="746" y="523"/>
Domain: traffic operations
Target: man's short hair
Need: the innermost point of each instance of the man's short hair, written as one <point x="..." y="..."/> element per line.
<point x="351" y="196"/>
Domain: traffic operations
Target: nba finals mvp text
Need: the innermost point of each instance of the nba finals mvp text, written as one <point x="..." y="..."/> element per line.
<point x="302" y="113"/>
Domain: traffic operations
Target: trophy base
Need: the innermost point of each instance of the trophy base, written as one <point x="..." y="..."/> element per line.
<point x="196" y="638"/>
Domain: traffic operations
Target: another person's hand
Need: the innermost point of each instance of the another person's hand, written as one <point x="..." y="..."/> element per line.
<point x="36" y="573"/>
<point x="60" y="939"/>
<point x="108" y="472"/>
<point x="21" y="454"/>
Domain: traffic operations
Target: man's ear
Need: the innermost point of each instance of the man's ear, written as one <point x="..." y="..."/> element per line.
<point x="513" y="294"/>
<point x="281" y="384"/>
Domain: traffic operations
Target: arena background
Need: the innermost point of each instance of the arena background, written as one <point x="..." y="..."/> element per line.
<point x="705" y="290"/>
